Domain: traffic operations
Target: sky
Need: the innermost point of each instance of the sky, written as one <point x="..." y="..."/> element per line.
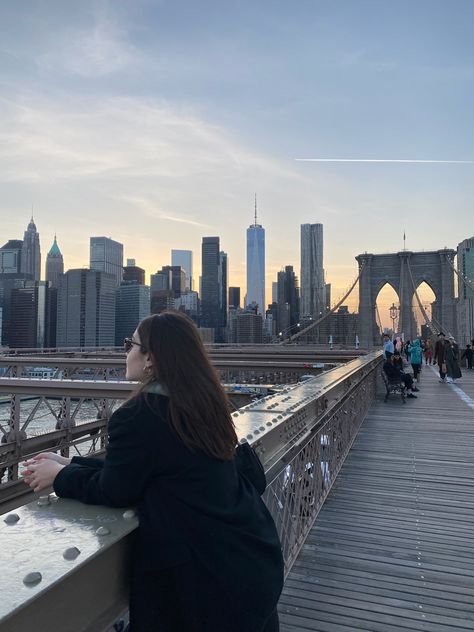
<point x="155" y="122"/>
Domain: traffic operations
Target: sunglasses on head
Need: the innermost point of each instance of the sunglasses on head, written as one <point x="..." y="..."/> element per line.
<point x="128" y="344"/>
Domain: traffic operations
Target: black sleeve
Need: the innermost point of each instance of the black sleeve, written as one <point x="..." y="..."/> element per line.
<point x="128" y="466"/>
<point x="88" y="461"/>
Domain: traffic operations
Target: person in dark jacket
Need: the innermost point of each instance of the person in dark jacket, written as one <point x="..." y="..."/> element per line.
<point x="439" y="356"/>
<point x="452" y="360"/>
<point x="468" y="355"/>
<point x="208" y="556"/>
<point x="397" y="362"/>
<point x="393" y="372"/>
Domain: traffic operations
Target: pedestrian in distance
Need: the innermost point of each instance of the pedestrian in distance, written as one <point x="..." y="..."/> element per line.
<point x="467" y="355"/>
<point x="416" y="358"/>
<point x="388" y="347"/>
<point x="207" y="557"/>
<point x="397" y="361"/>
<point x="452" y="360"/>
<point x="393" y="372"/>
<point x="428" y="351"/>
<point x="439" y="356"/>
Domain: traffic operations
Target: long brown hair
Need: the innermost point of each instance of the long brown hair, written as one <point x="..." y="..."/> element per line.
<point x="198" y="406"/>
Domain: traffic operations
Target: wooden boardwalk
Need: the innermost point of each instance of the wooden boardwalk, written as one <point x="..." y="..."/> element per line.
<point x="393" y="547"/>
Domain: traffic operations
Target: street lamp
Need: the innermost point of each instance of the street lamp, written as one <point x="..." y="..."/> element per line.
<point x="393" y="315"/>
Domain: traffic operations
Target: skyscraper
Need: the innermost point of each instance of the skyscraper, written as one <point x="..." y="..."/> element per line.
<point x="132" y="304"/>
<point x="86" y="309"/>
<point x="210" y="299"/>
<point x="288" y="301"/>
<point x="466" y="291"/>
<point x="222" y="289"/>
<point x="312" y="272"/>
<point x="30" y="311"/>
<point x="184" y="258"/>
<point x="132" y="272"/>
<point x="256" y="264"/>
<point x="106" y="255"/>
<point x="10" y="257"/>
<point x="234" y="297"/>
<point x="31" y="254"/>
<point x="54" y="264"/>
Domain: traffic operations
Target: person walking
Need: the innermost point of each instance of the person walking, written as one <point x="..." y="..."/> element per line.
<point x="452" y="360"/>
<point x="428" y="351"/>
<point x="439" y="356"/>
<point x="208" y="557"/>
<point x="468" y="356"/>
<point x="416" y="357"/>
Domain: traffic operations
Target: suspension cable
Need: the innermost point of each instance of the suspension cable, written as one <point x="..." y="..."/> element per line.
<point x="467" y="282"/>
<point x="331" y="311"/>
<point x="379" y="320"/>
<point x="428" y="321"/>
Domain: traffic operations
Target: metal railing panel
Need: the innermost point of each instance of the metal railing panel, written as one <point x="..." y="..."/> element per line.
<point x="79" y="554"/>
<point x="302" y="436"/>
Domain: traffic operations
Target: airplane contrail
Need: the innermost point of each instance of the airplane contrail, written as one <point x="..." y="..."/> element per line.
<point x="452" y="162"/>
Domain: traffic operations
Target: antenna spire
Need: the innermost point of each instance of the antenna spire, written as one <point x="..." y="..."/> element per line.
<point x="255" y="209"/>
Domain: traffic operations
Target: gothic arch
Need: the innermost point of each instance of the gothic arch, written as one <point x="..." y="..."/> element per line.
<point x="398" y="270"/>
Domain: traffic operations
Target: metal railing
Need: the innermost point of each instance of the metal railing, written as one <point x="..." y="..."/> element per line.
<point x="302" y="436"/>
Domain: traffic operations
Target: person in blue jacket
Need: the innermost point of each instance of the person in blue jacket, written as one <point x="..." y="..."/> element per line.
<point x="208" y="557"/>
<point x="416" y="358"/>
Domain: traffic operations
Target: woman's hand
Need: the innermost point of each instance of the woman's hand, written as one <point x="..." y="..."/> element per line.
<point x="48" y="455"/>
<point x="41" y="474"/>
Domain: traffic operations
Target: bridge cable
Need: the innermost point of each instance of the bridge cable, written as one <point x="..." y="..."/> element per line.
<point x="428" y="321"/>
<point x="467" y="282"/>
<point x="331" y="311"/>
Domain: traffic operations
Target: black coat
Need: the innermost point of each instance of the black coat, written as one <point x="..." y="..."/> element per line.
<point x="192" y="508"/>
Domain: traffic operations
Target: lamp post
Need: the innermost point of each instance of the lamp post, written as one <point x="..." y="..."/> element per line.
<point x="393" y="315"/>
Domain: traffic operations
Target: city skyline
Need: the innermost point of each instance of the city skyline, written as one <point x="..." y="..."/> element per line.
<point x="130" y="122"/>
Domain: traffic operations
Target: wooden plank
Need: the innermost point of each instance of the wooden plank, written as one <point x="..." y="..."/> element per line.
<point x="393" y="546"/>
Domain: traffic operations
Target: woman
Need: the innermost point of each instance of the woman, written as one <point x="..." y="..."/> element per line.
<point x="208" y="556"/>
<point x="452" y="360"/>
<point x="416" y="358"/>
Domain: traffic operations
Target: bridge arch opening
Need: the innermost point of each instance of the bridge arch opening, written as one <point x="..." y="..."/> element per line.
<point x="427" y="298"/>
<point x="387" y="305"/>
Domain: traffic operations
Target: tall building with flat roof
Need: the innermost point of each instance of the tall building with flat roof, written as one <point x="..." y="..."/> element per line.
<point x="248" y="327"/>
<point x="30" y="311"/>
<point x="10" y="257"/>
<point x="131" y="272"/>
<point x="465" y="307"/>
<point x="234" y="297"/>
<point x="210" y="294"/>
<point x="106" y="255"/>
<point x="312" y="271"/>
<point x="184" y="258"/>
<point x="132" y="304"/>
<point x="86" y="309"/>
<point x="31" y="253"/>
<point x="256" y="264"/>
<point x="223" y="266"/>
<point x="288" y="302"/>
<point x="54" y="264"/>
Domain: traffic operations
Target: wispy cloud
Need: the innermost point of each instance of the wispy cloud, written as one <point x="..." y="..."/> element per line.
<point x="396" y="160"/>
<point x="96" y="51"/>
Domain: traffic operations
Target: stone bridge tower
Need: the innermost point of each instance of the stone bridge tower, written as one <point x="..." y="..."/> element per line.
<point x="434" y="268"/>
